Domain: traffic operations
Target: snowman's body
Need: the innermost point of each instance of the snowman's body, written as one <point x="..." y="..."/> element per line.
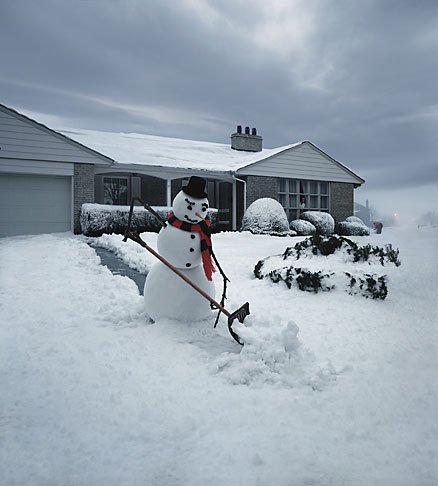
<point x="167" y="295"/>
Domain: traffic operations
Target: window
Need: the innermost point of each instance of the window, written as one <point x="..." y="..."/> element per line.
<point x="115" y="190"/>
<point x="297" y="196"/>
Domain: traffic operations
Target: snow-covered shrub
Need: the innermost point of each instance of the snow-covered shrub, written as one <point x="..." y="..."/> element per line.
<point x="354" y="219"/>
<point x="323" y="222"/>
<point x="323" y="245"/>
<point x="352" y="228"/>
<point x="98" y="219"/>
<point x="265" y="216"/>
<point x="302" y="227"/>
<point x="368" y="285"/>
<point x="325" y="263"/>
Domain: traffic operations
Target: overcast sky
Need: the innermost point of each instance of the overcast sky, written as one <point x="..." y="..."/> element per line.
<point x="357" y="78"/>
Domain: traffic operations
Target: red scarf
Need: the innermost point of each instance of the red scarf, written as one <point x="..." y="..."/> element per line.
<point x="203" y="228"/>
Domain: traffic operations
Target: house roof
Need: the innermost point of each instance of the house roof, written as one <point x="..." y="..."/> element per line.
<point x="134" y="148"/>
<point x="166" y="154"/>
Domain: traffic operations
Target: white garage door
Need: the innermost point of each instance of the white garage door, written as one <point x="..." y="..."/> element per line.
<point x="33" y="204"/>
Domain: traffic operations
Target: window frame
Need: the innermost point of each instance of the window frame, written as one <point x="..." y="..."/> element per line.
<point x="118" y="179"/>
<point x="302" y="192"/>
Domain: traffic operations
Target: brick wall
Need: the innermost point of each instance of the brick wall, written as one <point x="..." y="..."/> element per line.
<point x="83" y="191"/>
<point x="258" y="186"/>
<point x="341" y="200"/>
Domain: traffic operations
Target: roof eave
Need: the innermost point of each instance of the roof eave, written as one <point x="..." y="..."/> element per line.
<point x="168" y="170"/>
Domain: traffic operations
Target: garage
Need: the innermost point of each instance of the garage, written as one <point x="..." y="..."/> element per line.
<point x="45" y="177"/>
<point x="34" y="204"/>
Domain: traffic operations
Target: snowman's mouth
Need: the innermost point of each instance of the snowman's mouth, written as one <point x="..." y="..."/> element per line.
<point x="190" y="220"/>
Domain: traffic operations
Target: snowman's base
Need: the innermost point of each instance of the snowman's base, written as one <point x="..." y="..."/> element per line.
<point x="167" y="296"/>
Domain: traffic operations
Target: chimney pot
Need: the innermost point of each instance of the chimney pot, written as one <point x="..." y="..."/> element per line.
<point x="248" y="141"/>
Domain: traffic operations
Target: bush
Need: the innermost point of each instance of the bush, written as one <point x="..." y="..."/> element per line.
<point x="302" y="227"/>
<point x="99" y="219"/>
<point x="326" y="265"/>
<point x="323" y="222"/>
<point x="354" y="219"/>
<point x="320" y="245"/>
<point x="352" y="228"/>
<point x="266" y="216"/>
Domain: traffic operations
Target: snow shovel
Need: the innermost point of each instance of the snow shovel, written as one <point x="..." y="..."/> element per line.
<point x="239" y="314"/>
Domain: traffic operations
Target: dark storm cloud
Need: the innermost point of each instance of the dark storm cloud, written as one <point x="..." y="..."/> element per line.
<point x="356" y="78"/>
<point x="149" y="54"/>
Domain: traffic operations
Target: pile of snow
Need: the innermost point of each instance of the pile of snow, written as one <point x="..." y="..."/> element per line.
<point x="323" y="222"/>
<point x="352" y="226"/>
<point x="302" y="227"/>
<point x="272" y="355"/>
<point x="265" y="216"/>
<point x="130" y="252"/>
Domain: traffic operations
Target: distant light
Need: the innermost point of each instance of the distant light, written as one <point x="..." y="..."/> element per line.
<point x="395" y="214"/>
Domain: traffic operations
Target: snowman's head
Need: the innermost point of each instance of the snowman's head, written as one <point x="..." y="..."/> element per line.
<point x="191" y="203"/>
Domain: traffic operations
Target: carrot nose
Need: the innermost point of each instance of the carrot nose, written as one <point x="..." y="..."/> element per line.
<point x="199" y="216"/>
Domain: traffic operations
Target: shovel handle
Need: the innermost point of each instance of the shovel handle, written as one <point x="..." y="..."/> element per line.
<point x="137" y="239"/>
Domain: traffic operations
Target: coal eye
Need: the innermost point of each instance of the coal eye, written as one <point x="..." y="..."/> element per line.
<point x="189" y="207"/>
<point x="204" y="209"/>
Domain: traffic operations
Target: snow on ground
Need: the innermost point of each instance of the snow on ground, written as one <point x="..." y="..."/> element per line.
<point x="94" y="394"/>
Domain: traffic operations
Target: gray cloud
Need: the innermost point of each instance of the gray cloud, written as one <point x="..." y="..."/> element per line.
<point x="356" y="78"/>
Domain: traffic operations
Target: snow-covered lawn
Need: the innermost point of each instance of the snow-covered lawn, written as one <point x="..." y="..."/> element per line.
<point x="91" y="394"/>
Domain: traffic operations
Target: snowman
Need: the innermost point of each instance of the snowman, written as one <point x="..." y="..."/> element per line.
<point x="185" y="243"/>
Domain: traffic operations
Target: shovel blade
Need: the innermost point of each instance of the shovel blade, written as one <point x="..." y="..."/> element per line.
<point x="240" y="315"/>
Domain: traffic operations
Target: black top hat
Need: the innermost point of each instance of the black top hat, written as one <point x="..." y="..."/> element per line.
<point x="196" y="187"/>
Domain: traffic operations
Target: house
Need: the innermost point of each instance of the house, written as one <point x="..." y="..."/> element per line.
<point x="154" y="168"/>
<point x="111" y="168"/>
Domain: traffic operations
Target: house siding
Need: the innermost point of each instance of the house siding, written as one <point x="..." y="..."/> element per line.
<point x="302" y="162"/>
<point x="341" y="200"/>
<point x="23" y="138"/>
<point x="83" y="191"/>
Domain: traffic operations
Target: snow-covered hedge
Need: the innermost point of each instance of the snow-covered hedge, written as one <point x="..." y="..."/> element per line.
<point x="266" y="216"/>
<point x="352" y="228"/>
<point x="302" y="227"/>
<point x="99" y="219"/>
<point x="324" y="263"/>
<point x="323" y="222"/>
<point x="354" y="219"/>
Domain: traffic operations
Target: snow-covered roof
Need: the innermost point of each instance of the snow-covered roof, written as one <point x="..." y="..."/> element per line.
<point x="135" y="148"/>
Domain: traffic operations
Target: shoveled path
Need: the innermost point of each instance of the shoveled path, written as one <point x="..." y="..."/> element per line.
<point x="118" y="267"/>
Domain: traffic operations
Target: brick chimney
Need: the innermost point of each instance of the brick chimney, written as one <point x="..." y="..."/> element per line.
<point x="248" y="142"/>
